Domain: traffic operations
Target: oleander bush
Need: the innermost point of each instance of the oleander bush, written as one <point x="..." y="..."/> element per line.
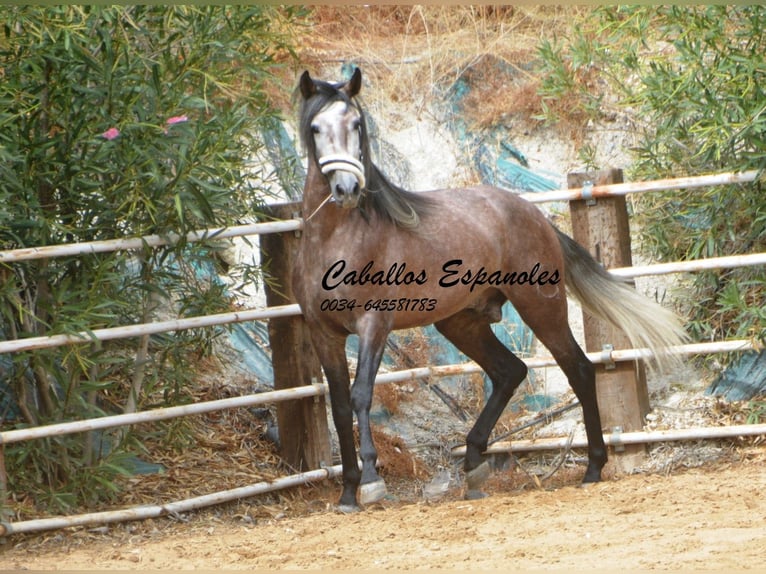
<point x="118" y="122"/>
<point x="693" y="81"/>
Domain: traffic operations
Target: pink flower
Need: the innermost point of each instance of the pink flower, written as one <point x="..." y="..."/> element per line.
<point x="110" y="134"/>
<point x="176" y="120"/>
<point x="173" y="121"/>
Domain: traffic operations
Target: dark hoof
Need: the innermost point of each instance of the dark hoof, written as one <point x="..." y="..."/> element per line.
<point x="347" y="508"/>
<point x="591" y="478"/>
<point x="478" y="476"/>
<point x="475" y="494"/>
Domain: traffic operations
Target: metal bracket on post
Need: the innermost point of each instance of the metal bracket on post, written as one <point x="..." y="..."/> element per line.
<point x="606" y="356"/>
<point x="587" y="193"/>
<point x="325" y="467"/>
<point x="616" y="441"/>
<point x="297" y="215"/>
<point x="316" y="385"/>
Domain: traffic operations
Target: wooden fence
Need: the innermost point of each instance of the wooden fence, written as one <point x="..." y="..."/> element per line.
<point x="600" y="223"/>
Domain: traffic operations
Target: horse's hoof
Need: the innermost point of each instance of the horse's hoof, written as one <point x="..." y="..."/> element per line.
<point x="347" y="508"/>
<point x="472" y="494"/>
<point x="478" y="476"/>
<point x="590" y="479"/>
<point x="372" y="492"/>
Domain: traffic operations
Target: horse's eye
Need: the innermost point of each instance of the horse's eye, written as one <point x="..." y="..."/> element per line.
<point x="356" y="125"/>
<point x="314" y="129"/>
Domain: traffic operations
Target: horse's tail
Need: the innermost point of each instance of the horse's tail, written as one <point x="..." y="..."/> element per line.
<point x="609" y="297"/>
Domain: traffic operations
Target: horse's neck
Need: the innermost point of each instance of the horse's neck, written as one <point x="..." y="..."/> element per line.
<point x="315" y="191"/>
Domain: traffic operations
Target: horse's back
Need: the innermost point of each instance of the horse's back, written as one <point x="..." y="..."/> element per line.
<point x="505" y="219"/>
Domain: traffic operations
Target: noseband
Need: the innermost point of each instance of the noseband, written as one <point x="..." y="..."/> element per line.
<point x="343" y="162"/>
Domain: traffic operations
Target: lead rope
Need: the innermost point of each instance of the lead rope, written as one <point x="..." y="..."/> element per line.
<point x="313" y="213"/>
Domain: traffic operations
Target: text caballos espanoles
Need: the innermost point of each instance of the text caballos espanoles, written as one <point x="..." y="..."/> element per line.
<point x="454" y="273"/>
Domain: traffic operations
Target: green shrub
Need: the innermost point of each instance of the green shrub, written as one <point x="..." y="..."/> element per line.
<point x="119" y="122"/>
<point x="693" y="80"/>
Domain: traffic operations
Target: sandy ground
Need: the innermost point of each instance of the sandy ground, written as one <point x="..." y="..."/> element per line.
<point x="705" y="518"/>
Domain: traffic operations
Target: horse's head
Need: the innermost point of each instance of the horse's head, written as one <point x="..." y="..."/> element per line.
<point x="333" y="130"/>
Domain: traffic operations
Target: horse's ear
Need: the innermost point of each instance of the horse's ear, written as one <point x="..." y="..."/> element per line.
<point x="354" y="85"/>
<point x="308" y="88"/>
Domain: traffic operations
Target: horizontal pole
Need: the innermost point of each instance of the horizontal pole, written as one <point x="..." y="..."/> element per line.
<point x="126" y="331"/>
<point x="614" y="189"/>
<point x="596" y="357"/>
<point x="130" y="244"/>
<point x="58" y="429"/>
<point x="735" y="345"/>
<point x="175" y="508"/>
<point x="171" y="508"/>
<point x="637" y="437"/>
<point x="44" y="342"/>
<point x="689" y="266"/>
<point x="316" y="389"/>
<point x="27" y="253"/>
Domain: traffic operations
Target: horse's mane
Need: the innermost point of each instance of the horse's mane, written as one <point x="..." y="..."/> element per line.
<point x="382" y="197"/>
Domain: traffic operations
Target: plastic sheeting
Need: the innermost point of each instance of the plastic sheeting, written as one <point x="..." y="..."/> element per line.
<point x="742" y="380"/>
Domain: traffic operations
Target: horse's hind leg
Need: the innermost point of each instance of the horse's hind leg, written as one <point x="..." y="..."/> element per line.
<point x="582" y="378"/>
<point x="470" y="332"/>
<point x="552" y="330"/>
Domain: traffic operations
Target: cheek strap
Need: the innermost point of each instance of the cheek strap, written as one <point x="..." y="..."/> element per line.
<point x="343" y="162"/>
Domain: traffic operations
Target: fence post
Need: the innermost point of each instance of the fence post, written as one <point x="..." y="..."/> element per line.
<point x="303" y="432"/>
<point x="602" y="227"/>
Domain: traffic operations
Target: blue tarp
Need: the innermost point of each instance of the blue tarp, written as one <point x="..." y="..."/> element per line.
<point x="497" y="160"/>
<point x="743" y="379"/>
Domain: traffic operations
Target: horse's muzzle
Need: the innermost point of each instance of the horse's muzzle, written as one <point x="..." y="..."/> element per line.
<point x="345" y="190"/>
<point x="345" y="175"/>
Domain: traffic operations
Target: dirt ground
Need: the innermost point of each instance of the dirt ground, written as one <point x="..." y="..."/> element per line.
<point x="711" y="517"/>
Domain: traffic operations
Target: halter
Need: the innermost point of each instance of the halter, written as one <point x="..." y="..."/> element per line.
<point x="343" y="162"/>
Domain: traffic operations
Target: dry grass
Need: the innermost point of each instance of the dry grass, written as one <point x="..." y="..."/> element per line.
<point x="412" y="53"/>
<point x="497" y="95"/>
<point x="395" y="459"/>
<point x="220" y="450"/>
<point x="417" y="352"/>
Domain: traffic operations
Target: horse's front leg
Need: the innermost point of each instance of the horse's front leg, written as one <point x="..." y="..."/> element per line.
<point x="332" y="355"/>
<point x="372" y="341"/>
